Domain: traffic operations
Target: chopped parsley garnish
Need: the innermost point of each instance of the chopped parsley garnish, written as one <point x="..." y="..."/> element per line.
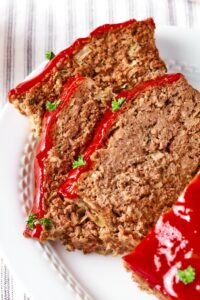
<point x="187" y="275"/>
<point x="79" y="162"/>
<point x="45" y="222"/>
<point x="52" y="105"/>
<point x="116" y="104"/>
<point x="32" y="218"/>
<point x="49" y="55"/>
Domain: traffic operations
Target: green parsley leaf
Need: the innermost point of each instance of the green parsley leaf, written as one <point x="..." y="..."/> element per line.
<point x="187" y="275"/>
<point x="52" y="105"/>
<point x="32" y="218"/>
<point x="49" y="55"/>
<point x="47" y="223"/>
<point x="116" y="104"/>
<point x="79" y="162"/>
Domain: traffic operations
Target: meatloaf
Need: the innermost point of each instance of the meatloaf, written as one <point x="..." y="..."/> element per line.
<point x="116" y="56"/>
<point x="149" y="150"/>
<point x="65" y="133"/>
<point x="166" y="263"/>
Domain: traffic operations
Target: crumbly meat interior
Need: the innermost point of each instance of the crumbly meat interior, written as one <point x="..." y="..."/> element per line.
<point x="119" y="58"/>
<point x="152" y="153"/>
<point x="70" y="135"/>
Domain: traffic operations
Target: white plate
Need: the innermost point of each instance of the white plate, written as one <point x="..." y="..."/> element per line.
<point x="49" y="272"/>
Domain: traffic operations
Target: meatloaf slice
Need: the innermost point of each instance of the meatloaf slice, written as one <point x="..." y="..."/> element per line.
<point x="147" y="157"/>
<point x="65" y="133"/>
<point x="166" y="263"/>
<point x="116" y="56"/>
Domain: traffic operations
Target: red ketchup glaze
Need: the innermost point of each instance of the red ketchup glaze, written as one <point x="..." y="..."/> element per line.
<point x="68" y="187"/>
<point x="173" y="244"/>
<point x="43" y="146"/>
<point x="77" y="45"/>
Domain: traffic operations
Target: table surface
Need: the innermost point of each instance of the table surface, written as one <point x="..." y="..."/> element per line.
<point x="29" y="28"/>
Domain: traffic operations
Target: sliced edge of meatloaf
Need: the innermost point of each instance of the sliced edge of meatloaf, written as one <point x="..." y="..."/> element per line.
<point x="151" y="153"/>
<point x="66" y="132"/>
<point x="117" y="56"/>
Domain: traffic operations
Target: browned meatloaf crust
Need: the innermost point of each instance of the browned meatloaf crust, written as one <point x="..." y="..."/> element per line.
<point x="118" y="58"/>
<point x="152" y="153"/>
<point x="70" y="134"/>
<point x="143" y="285"/>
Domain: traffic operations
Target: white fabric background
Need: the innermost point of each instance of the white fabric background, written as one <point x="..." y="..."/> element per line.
<point x="28" y="28"/>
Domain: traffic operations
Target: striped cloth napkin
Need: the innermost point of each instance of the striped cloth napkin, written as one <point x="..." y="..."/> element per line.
<point x="28" y="28"/>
